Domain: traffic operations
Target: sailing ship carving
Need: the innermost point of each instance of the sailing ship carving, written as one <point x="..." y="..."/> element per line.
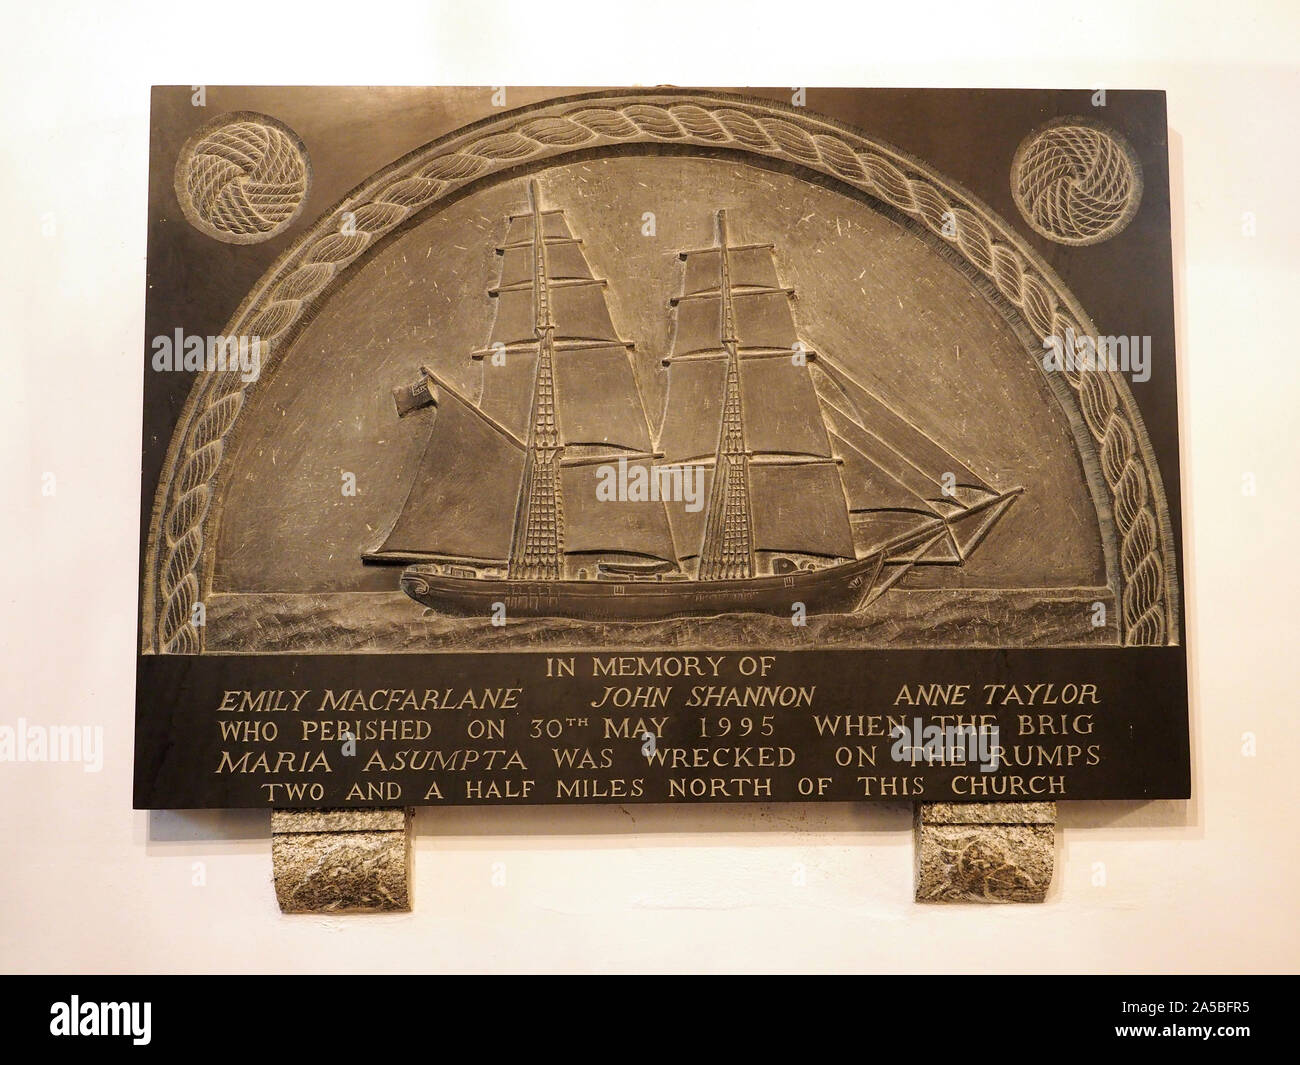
<point x="817" y="492"/>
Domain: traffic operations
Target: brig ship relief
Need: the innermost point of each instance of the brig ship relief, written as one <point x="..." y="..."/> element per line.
<point x="817" y="492"/>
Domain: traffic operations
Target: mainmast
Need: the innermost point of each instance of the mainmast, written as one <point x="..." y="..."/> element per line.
<point x="728" y="550"/>
<point x="538" y="543"/>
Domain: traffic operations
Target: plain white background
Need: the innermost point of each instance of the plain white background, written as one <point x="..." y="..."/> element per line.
<point x="86" y="884"/>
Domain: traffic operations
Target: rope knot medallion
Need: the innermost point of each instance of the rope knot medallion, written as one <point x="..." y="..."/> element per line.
<point x="1076" y="182"/>
<point x="243" y="179"/>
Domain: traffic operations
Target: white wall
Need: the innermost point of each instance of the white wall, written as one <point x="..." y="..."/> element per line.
<point x="87" y="884"/>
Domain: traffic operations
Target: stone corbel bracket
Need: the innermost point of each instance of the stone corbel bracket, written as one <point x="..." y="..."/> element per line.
<point x="359" y="861"/>
<point x="342" y="861"/>
<point x="984" y="852"/>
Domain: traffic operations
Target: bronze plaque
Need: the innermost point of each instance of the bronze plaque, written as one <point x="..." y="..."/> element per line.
<point x="536" y="446"/>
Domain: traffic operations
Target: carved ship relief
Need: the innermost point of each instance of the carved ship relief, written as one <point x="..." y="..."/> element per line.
<point x="814" y="491"/>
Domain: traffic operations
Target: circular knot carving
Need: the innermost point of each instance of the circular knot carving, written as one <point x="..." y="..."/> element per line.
<point x="1076" y="182"/>
<point x="244" y="179"/>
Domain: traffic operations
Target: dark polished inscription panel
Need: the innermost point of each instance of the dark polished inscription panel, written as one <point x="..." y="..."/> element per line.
<point x="624" y="728"/>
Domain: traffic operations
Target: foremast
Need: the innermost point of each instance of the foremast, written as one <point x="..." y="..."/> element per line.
<point x="537" y="547"/>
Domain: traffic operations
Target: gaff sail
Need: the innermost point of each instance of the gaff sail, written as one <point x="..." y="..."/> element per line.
<point x="462" y="501"/>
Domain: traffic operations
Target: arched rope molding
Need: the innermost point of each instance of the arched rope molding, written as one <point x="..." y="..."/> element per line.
<point x="279" y="301"/>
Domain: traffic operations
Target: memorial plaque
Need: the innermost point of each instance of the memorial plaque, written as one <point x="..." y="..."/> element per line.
<point x="650" y="446"/>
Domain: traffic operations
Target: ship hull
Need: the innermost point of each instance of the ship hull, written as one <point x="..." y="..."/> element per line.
<point x="834" y="590"/>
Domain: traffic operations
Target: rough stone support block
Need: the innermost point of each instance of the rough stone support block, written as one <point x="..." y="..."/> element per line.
<point x="342" y="861"/>
<point x="984" y="852"/>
